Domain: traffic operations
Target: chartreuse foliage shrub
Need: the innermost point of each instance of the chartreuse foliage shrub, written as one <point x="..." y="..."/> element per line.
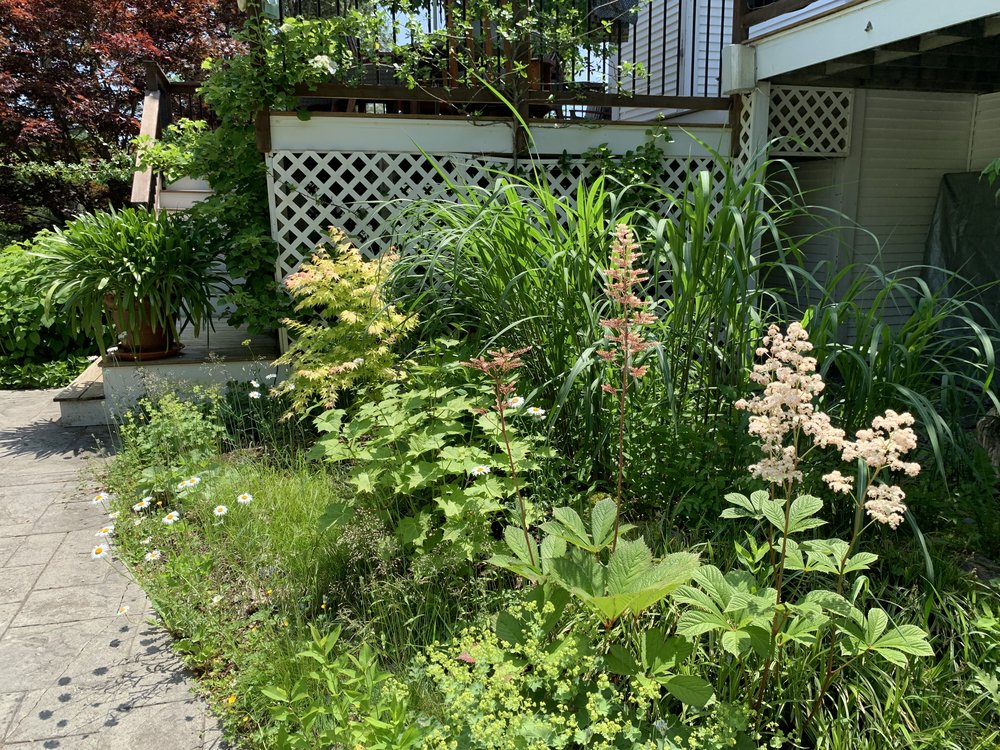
<point x="35" y="350"/>
<point x="346" y="334"/>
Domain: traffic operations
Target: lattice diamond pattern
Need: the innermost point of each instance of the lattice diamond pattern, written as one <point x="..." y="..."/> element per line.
<point x="361" y="193"/>
<point x="808" y="121"/>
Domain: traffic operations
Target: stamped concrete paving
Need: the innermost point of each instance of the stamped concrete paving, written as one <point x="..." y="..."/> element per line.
<point x="74" y="675"/>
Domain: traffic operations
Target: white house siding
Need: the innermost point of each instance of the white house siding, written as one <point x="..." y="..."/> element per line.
<point x="679" y="43"/>
<point x="902" y="144"/>
<point x="985" y="132"/>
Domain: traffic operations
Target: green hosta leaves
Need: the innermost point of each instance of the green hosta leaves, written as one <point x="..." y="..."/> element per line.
<point x="873" y="633"/>
<point x="630" y="582"/>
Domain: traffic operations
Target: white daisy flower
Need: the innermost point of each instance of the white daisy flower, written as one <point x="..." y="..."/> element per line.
<point x="535" y="411"/>
<point x="153" y="555"/>
<point x="480" y="471"/>
<point x="244" y="499"/>
<point x="272" y="376"/>
<point x="515" y="402"/>
<point x="123" y="610"/>
<point x="185" y="483"/>
<point x="101" y="550"/>
<point x="220" y="510"/>
<point x="254" y="394"/>
<point x="171" y="517"/>
<point x="106" y="531"/>
<point x="113" y="515"/>
<point x="100" y="497"/>
<point x="255" y="384"/>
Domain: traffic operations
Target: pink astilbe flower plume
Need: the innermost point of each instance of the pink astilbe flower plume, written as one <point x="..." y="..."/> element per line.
<point x="499" y="367"/>
<point x="623" y="275"/>
<point x="624" y="338"/>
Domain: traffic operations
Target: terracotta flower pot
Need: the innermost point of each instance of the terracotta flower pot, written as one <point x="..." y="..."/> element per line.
<point x="146" y="341"/>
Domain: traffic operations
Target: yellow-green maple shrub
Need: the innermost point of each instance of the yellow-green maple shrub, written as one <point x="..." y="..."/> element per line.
<point x="347" y="332"/>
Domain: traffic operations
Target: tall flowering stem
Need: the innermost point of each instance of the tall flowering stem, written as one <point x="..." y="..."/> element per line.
<point x="624" y="337"/>
<point x="499" y="367"/>
<point x="780" y="418"/>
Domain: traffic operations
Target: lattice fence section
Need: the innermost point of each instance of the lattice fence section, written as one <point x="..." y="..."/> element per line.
<point x="744" y="145"/>
<point x="806" y="121"/>
<point x="363" y="193"/>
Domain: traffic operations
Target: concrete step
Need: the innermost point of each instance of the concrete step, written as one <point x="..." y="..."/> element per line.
<point x="82" y="402"/>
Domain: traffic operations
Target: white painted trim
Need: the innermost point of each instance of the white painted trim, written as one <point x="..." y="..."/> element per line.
<point x="461" y="136"/>
<point x="575" y="139"/>
<point x="859" y="28"/>
<point x="783" y="21"/>
<point x="389" y="134"/>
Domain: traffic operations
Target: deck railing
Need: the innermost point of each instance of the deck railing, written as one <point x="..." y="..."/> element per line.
<point x="644" y="51"/>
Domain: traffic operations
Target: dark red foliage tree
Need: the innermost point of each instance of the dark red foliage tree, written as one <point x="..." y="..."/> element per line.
<point x="72" y="80"/>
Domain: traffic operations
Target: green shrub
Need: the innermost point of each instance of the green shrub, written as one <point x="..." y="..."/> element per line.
<point x="35" y="351"/>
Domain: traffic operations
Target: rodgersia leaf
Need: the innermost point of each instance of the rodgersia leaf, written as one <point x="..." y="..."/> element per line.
<point x="746" y="507"/>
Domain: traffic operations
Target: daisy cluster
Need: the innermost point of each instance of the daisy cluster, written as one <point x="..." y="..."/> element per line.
<point x="146" y="507"/>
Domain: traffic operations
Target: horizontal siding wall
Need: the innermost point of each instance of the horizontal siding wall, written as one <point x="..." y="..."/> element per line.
<point x="908" y="142"/>
<point x="986" y="132"/>
<point x="657" y="48"/>
<point x="679" y="44"/>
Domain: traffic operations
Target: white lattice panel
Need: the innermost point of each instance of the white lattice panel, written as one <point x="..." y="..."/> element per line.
<point x="362" y="193"/>
<point x="806" y="121"/>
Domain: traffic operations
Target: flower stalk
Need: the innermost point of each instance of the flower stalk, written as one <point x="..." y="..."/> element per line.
<point x="498" y="366"/>
<point x="625" y="339"/>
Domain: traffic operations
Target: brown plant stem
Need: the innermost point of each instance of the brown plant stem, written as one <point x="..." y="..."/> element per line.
<point x="529" y="542"/>
<point x="621" y="434"/>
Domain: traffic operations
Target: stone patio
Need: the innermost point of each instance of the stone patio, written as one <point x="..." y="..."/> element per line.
<point x="76" y="675"/>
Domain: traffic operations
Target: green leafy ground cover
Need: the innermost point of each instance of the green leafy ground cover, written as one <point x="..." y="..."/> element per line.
<point x="527" y="521"/>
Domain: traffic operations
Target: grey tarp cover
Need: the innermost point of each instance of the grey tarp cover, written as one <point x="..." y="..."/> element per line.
<point x="965" y="235"/>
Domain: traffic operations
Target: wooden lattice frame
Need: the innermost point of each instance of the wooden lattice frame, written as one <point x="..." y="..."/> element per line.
<point x="361" y="193"/>
<point x="810" y="121"/>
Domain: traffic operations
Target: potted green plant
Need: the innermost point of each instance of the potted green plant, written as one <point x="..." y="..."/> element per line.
<point x="147" y="272"/>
